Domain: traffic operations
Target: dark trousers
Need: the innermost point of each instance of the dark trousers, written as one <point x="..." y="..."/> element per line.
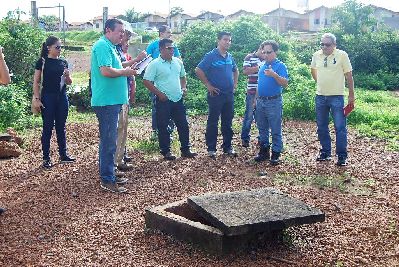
<point x="222" y="106"/>
<point x="54" y="113"/>
<point x="154" y="125"/>
<point x="165" y="111"/>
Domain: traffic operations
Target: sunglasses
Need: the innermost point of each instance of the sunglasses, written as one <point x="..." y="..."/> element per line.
<point x="169" y="47"/>
<point x="325" y="44"/>
<point x="325" y="62"/>
<point x="58" y="47"/>
<point x="267" y="52"/>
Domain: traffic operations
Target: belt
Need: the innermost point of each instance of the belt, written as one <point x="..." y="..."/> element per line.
<point x="269" y="97"/>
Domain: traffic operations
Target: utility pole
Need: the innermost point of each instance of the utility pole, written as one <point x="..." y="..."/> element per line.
<point x="278" y="18"/>
<point x="105" y="15"/>
<point x="33" y="11"/>
<point x="169" y="22"/>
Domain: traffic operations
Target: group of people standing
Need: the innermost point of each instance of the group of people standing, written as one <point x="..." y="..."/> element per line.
<point x="113" y="88"/>
<point x="165" y="78"/>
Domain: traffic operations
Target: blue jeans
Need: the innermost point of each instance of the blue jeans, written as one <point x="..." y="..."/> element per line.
<point x="248" y="117"/>
<point x="54" y="113"/>
<point x="222" y="106"/>
<point x="269" y="115"/>
<point x="176" y="111"/>
<point x="154" y="123"/>
<point x="334" y="105"/>
<point x="108" y="123"/>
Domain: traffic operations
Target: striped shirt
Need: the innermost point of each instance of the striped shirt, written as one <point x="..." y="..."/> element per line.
<point x="252" y="60"/>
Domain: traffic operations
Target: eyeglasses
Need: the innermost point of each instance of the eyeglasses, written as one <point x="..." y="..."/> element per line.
<point x="267" y="52"/>
<point x="169" y="47"/>
<point x="325" y="62"/>
<point x="325" y="44"/>
<point x="58" y="47"/>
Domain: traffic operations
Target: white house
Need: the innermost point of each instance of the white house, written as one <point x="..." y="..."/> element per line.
<point x="179" y="21"/>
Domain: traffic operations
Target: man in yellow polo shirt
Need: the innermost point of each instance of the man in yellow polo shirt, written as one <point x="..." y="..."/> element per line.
<point x="330" y="68"/>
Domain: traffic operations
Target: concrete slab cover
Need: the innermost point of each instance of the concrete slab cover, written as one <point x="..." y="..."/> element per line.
<point x="260" y="210"/>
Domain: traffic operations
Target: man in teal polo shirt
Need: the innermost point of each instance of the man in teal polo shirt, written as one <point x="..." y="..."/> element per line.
<point x="165" y="77"/>
<point x="109" y="93"/>
<point x="153" y="50"/>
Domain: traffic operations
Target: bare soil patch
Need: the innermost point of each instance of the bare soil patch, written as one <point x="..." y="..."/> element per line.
<point x="80" y="61"/>
<point x="61" y="217"/>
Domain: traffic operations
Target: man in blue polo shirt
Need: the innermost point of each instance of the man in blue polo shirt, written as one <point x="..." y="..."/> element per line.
<point x="109" y="93"/>
<point x="272" y="77"/>
<point x="219" y="73"/>
<point x="165" y="77"/>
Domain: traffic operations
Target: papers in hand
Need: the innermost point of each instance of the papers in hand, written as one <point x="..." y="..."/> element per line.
<point x="141" y="65"/>
<point x="348" y="109"/>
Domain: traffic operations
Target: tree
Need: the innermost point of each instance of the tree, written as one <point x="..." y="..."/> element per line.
<point x="22" y="44"/>
<point x="176" y="10"/>
<point x="51" y="22"/>
<point x="15" y="14"/>
<point x="132" y="16"/>
<point x="353" y="17"/>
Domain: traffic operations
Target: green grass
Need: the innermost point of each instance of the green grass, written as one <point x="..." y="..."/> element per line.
<point x="80" y="117"/>
<point x="376" y="114"/>
<point x="79" y="37"/>
<point x="342" y="182"/>
<point x="147" y="146"/>
<point x="80" y="78"/>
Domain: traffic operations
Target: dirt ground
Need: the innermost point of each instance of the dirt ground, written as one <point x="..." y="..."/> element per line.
<point x="78" y="61"/>
<point x="61" y="217"/>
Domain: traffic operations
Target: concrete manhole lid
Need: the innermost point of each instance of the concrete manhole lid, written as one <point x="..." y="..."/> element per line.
<point x="260" y="210"/>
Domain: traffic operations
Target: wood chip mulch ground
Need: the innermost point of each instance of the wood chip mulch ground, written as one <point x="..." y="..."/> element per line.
<point x="61" y="217"/>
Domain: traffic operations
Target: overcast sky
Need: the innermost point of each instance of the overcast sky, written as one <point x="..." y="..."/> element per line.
<point x="84" y="10"/>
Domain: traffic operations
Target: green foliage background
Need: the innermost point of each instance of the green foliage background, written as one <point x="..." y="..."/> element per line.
<point x="374" y="56"/>
<point x="22" y="45"/>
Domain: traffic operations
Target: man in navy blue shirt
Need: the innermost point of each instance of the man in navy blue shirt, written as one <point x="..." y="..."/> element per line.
<point x="219" y="73"/>
<point x="272" y="77"/>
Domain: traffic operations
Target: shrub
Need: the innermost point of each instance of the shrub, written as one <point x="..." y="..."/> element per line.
<point x="377" y="81"/>
<point x="22" y="44"/>
<point x="142" y="93"/>
<point x="248" y="33"/>
<point x="13" y="107"/>
<point x="79" y="96"/>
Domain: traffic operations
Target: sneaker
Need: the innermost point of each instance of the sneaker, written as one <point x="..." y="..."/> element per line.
<point x="245" y="143"/>
<point x="212" y="154"/>
<point x="47" y="164"/>
<point x="169" y="156"/>
<point x="341" y="161"/>
<point x="2" y="210"/>
<point x="67" y="159"/>
<point x="323" y="156"/>
<point x="230" y="152"/>
<point x="188" y="154"/>
<point x="124" y="167"/>
<point x="119" y="173"/>
<point x="263" y="155"/>
<point x="113" y="187"/>
<point x="121" y="180"/>
<point x="126" y="158"/>
<point x="274" y="159"/>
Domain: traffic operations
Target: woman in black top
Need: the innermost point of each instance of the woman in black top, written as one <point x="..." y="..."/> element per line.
<point x="52" y="100"/>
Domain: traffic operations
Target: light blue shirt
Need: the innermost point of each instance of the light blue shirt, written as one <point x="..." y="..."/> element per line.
<point x="106" y="91"/>
<point x="166" y="76"/>
<point x="153" y="49"/>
